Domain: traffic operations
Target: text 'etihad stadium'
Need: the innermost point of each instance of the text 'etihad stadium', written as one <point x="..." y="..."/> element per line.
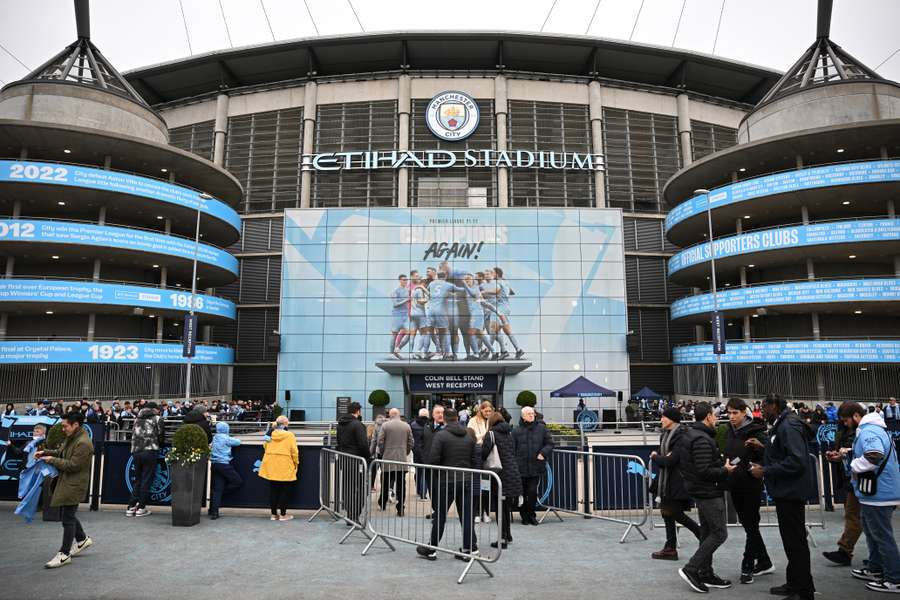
<point x="445" y="159"/>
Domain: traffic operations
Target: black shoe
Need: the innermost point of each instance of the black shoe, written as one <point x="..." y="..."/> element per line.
<point x="692" y="578"/>
<point x="763" y="568"/>
<point x="502" y="545"/>
<point x="504" y="355"/>
<point x="839" y="557"/>
<point x="781" y="590"/>
<point x="798" y="597"/>
<point x="214" y="516"/>
<point x="399" y="512"/>
<point x="495" y="356"/>
<point x="714" y="581"/>
<point x="428" y="516"/>
<point x="746" y="577"/>
<point x="519" y="354"/>
<point x="465" y="558"/>
<point x="426" y="553"/>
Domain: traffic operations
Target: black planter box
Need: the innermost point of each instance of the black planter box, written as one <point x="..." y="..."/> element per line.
<point x="188" y="487"/>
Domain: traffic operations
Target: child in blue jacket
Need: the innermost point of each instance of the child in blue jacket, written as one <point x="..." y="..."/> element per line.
<point x="224" y="476"/>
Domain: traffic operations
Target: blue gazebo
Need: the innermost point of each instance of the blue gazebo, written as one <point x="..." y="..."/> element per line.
<point x="582" y="387"/>
<point x="646" y="394"/>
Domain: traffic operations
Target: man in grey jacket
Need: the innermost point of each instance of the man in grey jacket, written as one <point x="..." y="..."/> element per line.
<point x="395" y="442"/>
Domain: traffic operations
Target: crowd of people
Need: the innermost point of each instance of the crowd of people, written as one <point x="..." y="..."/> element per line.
<point x="766" y="456"/>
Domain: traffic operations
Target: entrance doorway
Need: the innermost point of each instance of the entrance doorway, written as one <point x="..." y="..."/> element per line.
<point x="454" y="400"/>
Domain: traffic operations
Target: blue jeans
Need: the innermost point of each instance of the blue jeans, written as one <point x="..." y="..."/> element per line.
<point x="883" y="553"/>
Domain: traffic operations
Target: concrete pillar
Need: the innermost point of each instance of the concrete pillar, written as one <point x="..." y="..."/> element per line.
<point x="743" y="276"/>
<point x="799" y="160"/>
<point x="891" y="211"/>
<point x="107" y="162"/>
<point x="897" y="266"/>
<point x="810" y="269"/>
<point x="884" y="153"/>
<point x="97" y="266"/>
<point x="739" y="225"/>
<point x="404" y="108"/>
<point x="684" y="129"/>
<point x="595" y="114"/>
<point x="220" y="129"/>
<point x="804" y="214"/>
<point x="4" y="318"/>
<point x="101" y="216"/>
<point x="10" y="266"/>
<point x="815" y="326"/>
<point x="309" y="130"/>
<point x="167" y="225"/>
<point x="92" y="325"/>
<point x="23" y="154"/>
<point x="501" y="109"/>
<point x="163" y="277"/>
<point x="747" y="336"/>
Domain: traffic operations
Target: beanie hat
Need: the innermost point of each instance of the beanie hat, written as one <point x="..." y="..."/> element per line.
<point x="673" y="414"/>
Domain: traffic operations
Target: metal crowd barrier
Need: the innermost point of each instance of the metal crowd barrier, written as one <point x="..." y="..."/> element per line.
<point x="445" y="522"/>
<point x="609" y="487"/>
<point x="815" y="508"/>
<point x="343" y="490"/>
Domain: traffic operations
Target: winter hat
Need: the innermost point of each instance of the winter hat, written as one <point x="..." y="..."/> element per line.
<point x="673" y="414"/>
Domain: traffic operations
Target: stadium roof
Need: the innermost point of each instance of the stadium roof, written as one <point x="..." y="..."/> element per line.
<point x="456" y="51"/>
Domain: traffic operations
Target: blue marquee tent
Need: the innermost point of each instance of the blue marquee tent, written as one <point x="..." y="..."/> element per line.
<point x="581" y="388"/>
<point x="646" y="394"/>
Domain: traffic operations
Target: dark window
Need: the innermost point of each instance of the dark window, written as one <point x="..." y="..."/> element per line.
<point x="707" y="138"/>
<point x="197" y="138"/>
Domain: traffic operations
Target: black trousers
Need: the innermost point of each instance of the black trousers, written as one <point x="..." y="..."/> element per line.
<point x="529" y="499"/>
<point x="279" y="491"/>
<point x="507" y="507"/>
<point x="71" y="528"/>
<point x="396" y="480"/>
<point x="224" y="479"/>
<point x="353" y="489"/>
<point x="792" y="527"/>
<point x="447" y="490"/>
<point x="746" y="503"/>
<point x="144" y="469"/>
<point x="673" y="511"/>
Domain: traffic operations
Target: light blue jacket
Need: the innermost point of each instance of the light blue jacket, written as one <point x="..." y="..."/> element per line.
<point x="872" y="436"/>
<point x="222" y="444"/>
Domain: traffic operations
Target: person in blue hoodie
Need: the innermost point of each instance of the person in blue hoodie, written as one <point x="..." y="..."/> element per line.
<point x="224" y="476"/>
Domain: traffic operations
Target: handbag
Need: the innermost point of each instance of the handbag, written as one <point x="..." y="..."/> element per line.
<point x="867" y="483"/>
<point x="492" y="462"/>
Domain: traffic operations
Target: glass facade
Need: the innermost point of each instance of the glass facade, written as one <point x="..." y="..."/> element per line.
<point x="560" y="298"/>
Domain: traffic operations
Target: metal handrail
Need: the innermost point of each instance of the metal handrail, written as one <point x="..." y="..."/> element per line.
<point x="76" y="338"/>
<point x="853" y="338"/>
<point x="727" y="288"/>
<point x="111" y="281"/>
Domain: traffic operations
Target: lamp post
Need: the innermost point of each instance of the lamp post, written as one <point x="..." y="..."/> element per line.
<point x="193" y="332"/>
<point x="715" y="294"/>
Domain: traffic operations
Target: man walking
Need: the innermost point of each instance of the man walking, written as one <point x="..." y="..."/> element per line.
<point x="418" y="427"/>
<point x="876" y="481"/>
<point x="73" y="461"/>
<point x="704" y="474"/>
<point x="787" y="476"/>
<point x="437" y="424"/>
<point x="145" y="441"/>
<point x="351" y="439"/>
<point x="395" y="442"/>
<point x="224" y="476"/>
<point x="533" y="445"/>
<point x="453" y="446"/>
<point x="850" y="413"/>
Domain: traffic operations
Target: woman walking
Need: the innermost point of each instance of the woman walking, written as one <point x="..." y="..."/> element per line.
<point x="279" y="466"/>
<point x="500" y="436"/>
<point x="480" y="425"/>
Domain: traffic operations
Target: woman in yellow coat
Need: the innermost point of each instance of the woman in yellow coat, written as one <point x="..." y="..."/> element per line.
<point x="279" y="466"/>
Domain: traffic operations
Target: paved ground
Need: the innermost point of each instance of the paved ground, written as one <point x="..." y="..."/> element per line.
<point x="247" y="556"/>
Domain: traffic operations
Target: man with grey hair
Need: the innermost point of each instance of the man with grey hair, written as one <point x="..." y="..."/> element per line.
<point x="418" y="427"/>
<point x="533" y="445"/>
<point x="395" y="442"/>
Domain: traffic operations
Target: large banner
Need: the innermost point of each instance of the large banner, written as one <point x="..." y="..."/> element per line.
<point x="790" y="181"/>
<point x="89" y="292"/>
<point x="839" y="232"/>
<point x="850" y="351"/>
<point x="112" y="181"/>
<point x="541" y="287"/>
<point x="19" y="352"/>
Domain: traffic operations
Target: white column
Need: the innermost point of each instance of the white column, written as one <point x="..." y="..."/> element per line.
<point x="309" y="131"/>
<point x="684" y="129"/>
<point x="500" y="111"/>
<point x="595" y="114"/>
<point x="220" y="129"/>
<point x="404" y="107"/>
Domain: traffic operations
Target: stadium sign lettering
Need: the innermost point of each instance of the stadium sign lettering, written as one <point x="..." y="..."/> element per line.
<point x="445" y="159"/>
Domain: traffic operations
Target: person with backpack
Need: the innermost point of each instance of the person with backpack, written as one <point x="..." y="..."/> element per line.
<point x="876" y="483"/>
<point x="146" y="438"/>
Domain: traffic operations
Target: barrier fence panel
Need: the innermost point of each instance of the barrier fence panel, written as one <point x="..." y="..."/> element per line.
<point x="343" y="489"/>
<point x="597" y="485"/>
<point x="452" y="519"/>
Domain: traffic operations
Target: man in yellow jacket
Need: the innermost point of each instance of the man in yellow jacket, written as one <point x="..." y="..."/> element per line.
<point x="279" y="466"/>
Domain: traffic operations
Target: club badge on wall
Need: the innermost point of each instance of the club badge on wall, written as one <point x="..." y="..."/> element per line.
<point x="452" y="116"/>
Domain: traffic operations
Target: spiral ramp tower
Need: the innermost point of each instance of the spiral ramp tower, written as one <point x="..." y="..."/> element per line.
<point x="102" y="222"/>
<point x="806" y="239"/>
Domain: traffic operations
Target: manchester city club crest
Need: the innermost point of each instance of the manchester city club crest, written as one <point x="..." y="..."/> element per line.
<point x="452" y="116"/>
<point x="161" y="486"/>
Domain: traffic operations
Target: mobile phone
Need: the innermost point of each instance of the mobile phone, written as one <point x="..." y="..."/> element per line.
<point x="736" y="460"/>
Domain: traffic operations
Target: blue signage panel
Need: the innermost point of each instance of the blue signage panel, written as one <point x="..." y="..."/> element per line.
<point x="84" y="234"/>
<point x="783" y="294"/>
<point x="839" y="232"/>
<point x="831" y="351"/>
<point x="789" y="181"/>
<point x="86" y="292"/>
<point x="20" y="352"/>
<point x="112" y="181"/>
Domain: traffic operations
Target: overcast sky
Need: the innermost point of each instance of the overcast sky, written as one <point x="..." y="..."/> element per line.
<point x="132" y="33"/>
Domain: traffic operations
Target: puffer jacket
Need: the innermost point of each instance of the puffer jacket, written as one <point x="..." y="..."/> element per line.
<point x="73" y="461"/>
<point x="670" y="482"/>
<point x="787" y="466"/>
<point x="741" y="480"/>
<point x="454" y="446"/>
<point x="501" y="436"/>
<point x="701" y="463"/>
<point x="281" y="458"/>
<point x="531" y="439"/>
<point x="148" y="432"/>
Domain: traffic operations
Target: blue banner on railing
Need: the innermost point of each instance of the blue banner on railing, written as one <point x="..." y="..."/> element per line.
<point x="88" y="292"/>
<point x="784" y="294"/>
<point x="18" y="352"/>
<point x="789" y="181"/>
<point x="830" y="351"/>
<point x="838" y="232"/>
<point x="85" y="234"/>
<point x="113" y="181"/>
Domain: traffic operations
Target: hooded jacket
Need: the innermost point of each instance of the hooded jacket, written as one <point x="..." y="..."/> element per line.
<point x="701" y="463"/>
<point x="222" y="444"/>
<point x="501" y="436"/>
<point x="735" y="437"/>
<point x="351" y="437"/>
<point x="872" y="437"/>
<point x="148" y="432"/>
<point x="281" y="457"/>
<point x="454" y="446"/>
<point x="787" y="472"/>
<point x="531" y="439"/>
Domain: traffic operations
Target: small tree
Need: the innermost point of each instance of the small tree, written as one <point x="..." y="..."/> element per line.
<point x="526" y="398"/>
<point x="379" y="398"/>
<point x="55" y="437"/>
<point x="189" y="445"/>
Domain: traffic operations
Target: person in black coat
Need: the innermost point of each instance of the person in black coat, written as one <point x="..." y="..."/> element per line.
<point x="533" y="445"/>
<point x="746" y="491"/>
<point x="198" y="417"/>
<point x="668" y="485"/>
<point x="352" y="439"/>
<point x="418" y="426"/>
<point x="500" y="436"/>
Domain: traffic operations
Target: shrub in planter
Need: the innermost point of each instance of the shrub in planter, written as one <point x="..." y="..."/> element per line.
<point x="55" y="438"/>
<point x="379" y="399"/>
<point x="526" y="398"/>
<point x="187" y="462"/>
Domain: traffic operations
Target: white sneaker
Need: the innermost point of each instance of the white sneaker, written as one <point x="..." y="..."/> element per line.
<point x="142" y="512"/>
<point x="478" y="519"/>
<point x="59" y="560"/>
<point x="486" y="519"/>
<point x="884" y="586"/>
<point x="129" y="512"/>
<point x="78" y="547"/>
